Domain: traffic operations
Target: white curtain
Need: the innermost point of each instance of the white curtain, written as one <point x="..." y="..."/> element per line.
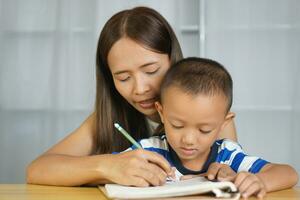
<point x="47" y="77"/>
<point x="296" y="112"/>
<point x="258" y="41"/>
<point x="47" y="69"/>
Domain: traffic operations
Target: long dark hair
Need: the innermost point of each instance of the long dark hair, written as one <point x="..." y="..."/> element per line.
<point x="148" y="28"/>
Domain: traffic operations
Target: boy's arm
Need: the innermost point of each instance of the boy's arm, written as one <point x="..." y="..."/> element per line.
<point x="278" y="176"/>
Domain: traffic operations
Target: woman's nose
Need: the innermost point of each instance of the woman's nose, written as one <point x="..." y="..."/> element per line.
<point x="141" y="86"/>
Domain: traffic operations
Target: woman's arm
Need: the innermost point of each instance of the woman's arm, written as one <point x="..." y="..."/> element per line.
<point x="60" y="164"/>
<point x="229" y="131"/>
<point x="70" y="163"/>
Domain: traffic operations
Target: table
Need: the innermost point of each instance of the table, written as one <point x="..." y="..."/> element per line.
<point x="37" y="192"/>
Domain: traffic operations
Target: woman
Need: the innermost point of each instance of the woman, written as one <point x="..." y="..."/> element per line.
<point x="135" y="49"/>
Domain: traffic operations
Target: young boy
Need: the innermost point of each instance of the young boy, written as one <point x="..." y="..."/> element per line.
<point x="194" y="107"/>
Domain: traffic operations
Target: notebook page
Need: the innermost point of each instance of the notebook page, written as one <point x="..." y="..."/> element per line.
<point x="196" y="185"/>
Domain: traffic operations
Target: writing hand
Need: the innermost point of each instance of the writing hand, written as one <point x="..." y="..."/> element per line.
<point x="138" y="168"/>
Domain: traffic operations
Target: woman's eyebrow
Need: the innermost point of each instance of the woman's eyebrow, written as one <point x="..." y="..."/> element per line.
<point x="142" y="66"/>
<point x="120" y="72"/>
<point x="147" y="64"/>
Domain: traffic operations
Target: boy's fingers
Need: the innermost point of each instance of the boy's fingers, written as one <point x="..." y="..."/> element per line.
<point x="245" y="185"/>
<point x="222" y="173"/>
<point x="261" y="194"/>
<point x="250" y="190"/>
<point x="230" y="177"/>
<point x="226" y="174"/>
<point x="240" y="178"/>
<point x="213" y="170"/>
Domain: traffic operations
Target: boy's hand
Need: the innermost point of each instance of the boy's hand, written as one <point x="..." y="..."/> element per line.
<point x="220" y="172"/>
<point x="216" y="171"/>
<point x="249" y="184"/>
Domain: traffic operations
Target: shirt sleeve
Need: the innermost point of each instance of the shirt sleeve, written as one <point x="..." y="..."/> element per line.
<point x="155" y="144"/>
<point x="232" y="154"/>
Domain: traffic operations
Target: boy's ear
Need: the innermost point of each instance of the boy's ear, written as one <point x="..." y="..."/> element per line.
<point x="228" y="118"/>
<point x="159" y="109"/>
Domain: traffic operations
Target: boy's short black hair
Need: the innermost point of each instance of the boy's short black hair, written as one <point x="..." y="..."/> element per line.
<point x="199" y="76"/>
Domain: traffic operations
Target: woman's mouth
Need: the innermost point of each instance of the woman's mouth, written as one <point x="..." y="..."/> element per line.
<point x="147" y="104"/>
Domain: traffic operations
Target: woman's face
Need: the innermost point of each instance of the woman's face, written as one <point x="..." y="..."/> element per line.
<point x="137" y="73"/>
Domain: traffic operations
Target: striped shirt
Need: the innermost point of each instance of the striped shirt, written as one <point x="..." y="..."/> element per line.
<point x="222" y="151"/>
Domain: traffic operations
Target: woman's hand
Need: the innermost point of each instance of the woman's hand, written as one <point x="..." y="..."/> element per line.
<point x="250" y="184"/>
<point x="138" y="168"/>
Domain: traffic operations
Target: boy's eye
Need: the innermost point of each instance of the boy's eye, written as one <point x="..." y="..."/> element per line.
<point x="205" y="131"/>
<point x="176" y="126"/>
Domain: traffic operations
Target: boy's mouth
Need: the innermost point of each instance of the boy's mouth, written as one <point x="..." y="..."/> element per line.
<point x="188" y="151"/>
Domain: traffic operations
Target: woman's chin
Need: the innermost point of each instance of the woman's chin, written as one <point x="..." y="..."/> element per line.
<point x="151" y="114"/>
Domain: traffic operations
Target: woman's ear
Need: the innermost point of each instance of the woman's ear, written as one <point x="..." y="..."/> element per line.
<point x="228" y="118"/>
<point x="159" y="109"/>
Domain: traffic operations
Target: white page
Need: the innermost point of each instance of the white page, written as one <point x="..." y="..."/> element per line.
<point x="192" y="186"/>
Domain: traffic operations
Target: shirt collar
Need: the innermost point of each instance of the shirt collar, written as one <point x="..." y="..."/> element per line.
<point x="210" y="159"/>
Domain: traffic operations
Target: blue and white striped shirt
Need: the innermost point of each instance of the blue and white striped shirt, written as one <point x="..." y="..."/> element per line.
<point x="222" y="151"/>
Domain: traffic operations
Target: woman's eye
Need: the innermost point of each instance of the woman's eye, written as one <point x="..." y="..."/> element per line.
<point x="152" y="72"/>
<point x="176" y="126"/>
<point x="123" y="79"/>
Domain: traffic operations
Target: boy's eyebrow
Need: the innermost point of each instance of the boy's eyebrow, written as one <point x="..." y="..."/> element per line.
<point x="174" y="118"/>
<point x="181" y="120"/>
<point x="142" y="66"/>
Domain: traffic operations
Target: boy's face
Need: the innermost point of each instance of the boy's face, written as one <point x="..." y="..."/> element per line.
<point x="192" y="122"/>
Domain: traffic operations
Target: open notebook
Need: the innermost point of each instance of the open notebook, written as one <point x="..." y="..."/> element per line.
<point x="192" y="186"/>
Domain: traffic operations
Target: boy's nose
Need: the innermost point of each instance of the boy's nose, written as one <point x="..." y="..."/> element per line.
<point x="189" y="138"/>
